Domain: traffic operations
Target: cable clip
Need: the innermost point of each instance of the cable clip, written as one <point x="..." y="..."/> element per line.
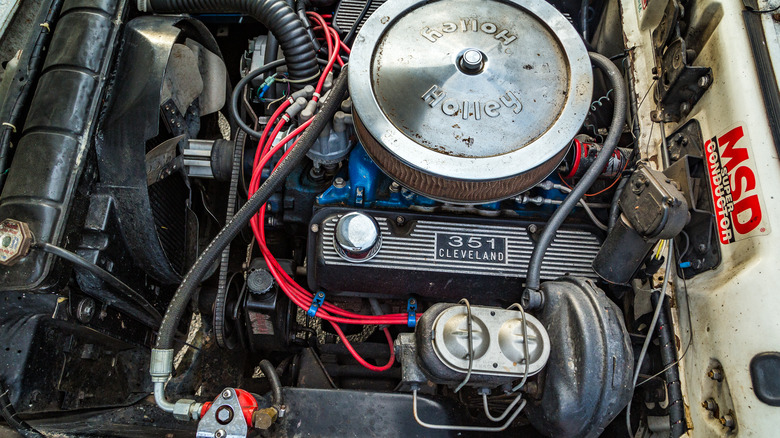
<point x="411" y="310"/>
<point x="319" y="299"/>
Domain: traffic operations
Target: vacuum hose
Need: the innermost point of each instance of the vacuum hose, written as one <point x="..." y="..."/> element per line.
<point x="615" y="80"/>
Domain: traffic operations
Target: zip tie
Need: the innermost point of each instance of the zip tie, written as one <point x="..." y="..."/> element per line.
<point x="319" y="298"/>
<point x="13" y="128"/>
<point x="46" y="26"/>
<point x="411" y="310"/>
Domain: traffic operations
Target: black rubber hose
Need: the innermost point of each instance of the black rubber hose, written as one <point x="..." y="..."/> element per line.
<point x="584" y="19"/>
<point x="235" y="97"/>
<point x="672" y="373"/>
<point x="277" y="15"/>
<point x="232" y="228"/>
<point x="273" y="379"/>
<point x="300" y="8"/>
<point x="614" y="207"/>
<point x="149" y="316"/>
<point x="615" y="130"/>
<point x="353" y="30"/>
<point x="270" y="55"/>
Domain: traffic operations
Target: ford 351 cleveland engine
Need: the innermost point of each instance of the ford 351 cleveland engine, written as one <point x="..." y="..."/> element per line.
<point x="347" y="218"/>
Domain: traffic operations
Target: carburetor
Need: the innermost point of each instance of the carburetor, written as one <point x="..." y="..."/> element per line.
<point x="451" y="102"/>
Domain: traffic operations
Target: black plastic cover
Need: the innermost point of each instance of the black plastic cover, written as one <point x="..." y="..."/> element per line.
<point x="587" y="380"/>
<point x="765" y="375"/>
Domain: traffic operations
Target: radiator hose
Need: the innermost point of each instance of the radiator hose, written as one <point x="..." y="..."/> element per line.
<point x="277" y="15"/>
<point x="615" y="80"/>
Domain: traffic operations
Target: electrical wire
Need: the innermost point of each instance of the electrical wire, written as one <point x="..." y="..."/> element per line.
<point x="764" y="11"/>
<point x="690" y="336"/>
<point x="470" y="332"/>
<point x="238" y="90"/>
<point x="585" y="206"/>
<point x="297" y="294"/>
<point x="119" y="303"/>
<point x="651" y="329"/>
<point x="357" y="357"/>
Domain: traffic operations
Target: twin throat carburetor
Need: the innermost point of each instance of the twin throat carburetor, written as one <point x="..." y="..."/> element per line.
<point x="469" y="102"/>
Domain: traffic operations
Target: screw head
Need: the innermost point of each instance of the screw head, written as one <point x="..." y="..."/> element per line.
<point x="226" y="394"/>
<point x="704" y="81"/>
<point x="315" y="228"/>
<point x="220" y="433"/>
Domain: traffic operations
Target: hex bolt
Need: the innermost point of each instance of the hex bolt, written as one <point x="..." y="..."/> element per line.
<point x="533" y="228"/>
<point x="263" y="418"/>
<point x="395" y="187"/>
<point x="224" y="414"/>
<point x="710" y="405"/>
<point x="400" y="220"/>
<point x="220" y="433"/>
<point x="226" y="394"/>
<point x="716" y="374"/>
<point x="339" y="183"/>
<point x="727" y="421"/>
<point x="315" y="228"/>
<point x="704" y="81"/>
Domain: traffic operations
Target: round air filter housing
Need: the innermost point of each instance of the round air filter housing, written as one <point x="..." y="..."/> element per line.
<point x="468" y="101"/>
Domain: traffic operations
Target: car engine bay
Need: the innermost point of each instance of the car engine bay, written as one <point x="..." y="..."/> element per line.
<point x="351" y="218"/>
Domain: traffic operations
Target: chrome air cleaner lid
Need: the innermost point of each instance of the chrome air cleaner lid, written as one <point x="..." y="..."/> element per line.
<point x="468" y="101"/>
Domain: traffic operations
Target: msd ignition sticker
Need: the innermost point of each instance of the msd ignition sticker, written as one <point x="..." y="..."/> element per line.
<point x="735" y="189"/>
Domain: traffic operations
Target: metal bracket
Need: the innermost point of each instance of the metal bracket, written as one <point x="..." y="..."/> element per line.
<point x="411" y="310"/>
<point x="680" y="85"/>
<point x="319" y="299"/>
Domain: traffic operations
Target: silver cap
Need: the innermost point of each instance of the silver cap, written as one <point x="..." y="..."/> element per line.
<point x="358" y="238"/>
